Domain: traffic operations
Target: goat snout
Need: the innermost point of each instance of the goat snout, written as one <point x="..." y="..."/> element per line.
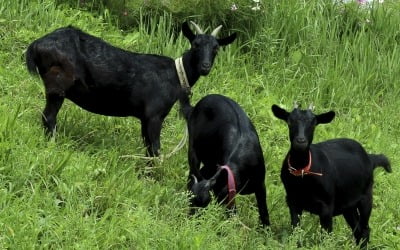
<point x="206" y="65"/>
<point x="205" y="68"/>
<point x="300" y="140"/>
<point x="300" y="143"/>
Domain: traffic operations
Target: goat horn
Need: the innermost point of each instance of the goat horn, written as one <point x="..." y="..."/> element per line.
<point x="295" y="105"/>
<point x="197" y="28"/>
<point x="215" y="32"/>
<point x="311" y="107"/>
<point x="195" y="178"/>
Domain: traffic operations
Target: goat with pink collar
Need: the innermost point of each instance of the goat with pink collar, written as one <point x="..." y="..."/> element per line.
<point x="222" y="137"/>
<point x="329" y="178"/>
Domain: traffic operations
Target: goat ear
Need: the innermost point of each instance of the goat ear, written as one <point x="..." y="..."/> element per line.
<point x="279" y="112"/>
<point x="325" y="117"/>
<point x="213" y="180"/>
<point x="187" y="32"/>
<point x="227" y="40"/>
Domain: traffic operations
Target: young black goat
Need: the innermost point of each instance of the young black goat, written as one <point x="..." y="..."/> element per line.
<point x="222" y="137"/>
<point x="328" y="178"/>
<point x="110" y="81"/>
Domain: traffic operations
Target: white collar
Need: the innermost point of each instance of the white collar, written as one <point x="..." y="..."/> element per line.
<point x="182" y="74"/>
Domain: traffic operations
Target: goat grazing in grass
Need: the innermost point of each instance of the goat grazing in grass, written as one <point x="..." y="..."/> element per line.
<point x="328" y="178"/>
<point x="222" y="137"/>
<point x="110" y="81"/>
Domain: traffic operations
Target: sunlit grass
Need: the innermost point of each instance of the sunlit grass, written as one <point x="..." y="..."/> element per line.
<point x="84" y="189"/>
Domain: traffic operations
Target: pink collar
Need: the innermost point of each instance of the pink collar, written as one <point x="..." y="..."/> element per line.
<point x="303" y="171"/>
<point x="231" y="186"/>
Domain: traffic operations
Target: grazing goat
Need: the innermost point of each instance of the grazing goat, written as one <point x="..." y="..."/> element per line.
<point x="222" y="137"/>
<point x="110" y="81"/>
<point x="328" y="178"/>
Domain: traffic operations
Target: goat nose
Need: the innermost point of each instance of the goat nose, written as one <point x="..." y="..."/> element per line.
<point x="206" y="65"/>
<point x="300" y="140"/>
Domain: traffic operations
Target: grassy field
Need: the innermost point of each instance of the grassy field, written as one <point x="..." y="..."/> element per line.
<point x="87" y="188"/>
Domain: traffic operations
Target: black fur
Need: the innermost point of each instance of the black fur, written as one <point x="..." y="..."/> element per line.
<point x="220" y="133"/>
<point x="110" y="81"/>
<point x="345" y="186"/>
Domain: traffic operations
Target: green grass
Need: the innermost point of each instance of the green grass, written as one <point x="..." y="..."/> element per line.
<point x="86" y="189"/>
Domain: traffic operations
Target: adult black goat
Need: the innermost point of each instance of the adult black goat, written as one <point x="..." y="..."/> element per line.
<point x="110" y="81"/>
<point x="222" y="137"/>
<point x="328" y="178"/>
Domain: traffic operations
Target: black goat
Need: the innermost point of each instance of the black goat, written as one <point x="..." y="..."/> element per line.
<point x="222" y="137"/>
<point x="110" y="81"/>
<point x="328" y="178"/>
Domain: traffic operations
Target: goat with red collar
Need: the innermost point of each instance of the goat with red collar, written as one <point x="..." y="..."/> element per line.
<point x="329" y="178"/>
<point x="222" y="137"/>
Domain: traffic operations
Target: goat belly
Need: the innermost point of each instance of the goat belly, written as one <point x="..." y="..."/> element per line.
<point x="108" y="102"/>
<point x="310" y="204"/>
<point x="306" y="193"/>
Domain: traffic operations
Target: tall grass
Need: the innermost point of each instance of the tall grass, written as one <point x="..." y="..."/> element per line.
<point x="83" y="189"/>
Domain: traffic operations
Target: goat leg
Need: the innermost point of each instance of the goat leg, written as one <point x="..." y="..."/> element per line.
<point x="261" y="198"/>
<point x="325" y="220"/>
<point x="365" y="208"/>
<point x="49" y="116"/>
<point x="56" y="82"/>
<point x="352" y="218"/>
<point x="151" y="130"/>
<point x="294" y="213"/>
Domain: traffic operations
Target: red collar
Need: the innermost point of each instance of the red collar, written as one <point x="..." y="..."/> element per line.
<point x="303" y="171"/>
<point x="231" y="186"/>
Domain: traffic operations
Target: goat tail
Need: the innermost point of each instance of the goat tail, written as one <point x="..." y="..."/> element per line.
<point x="380" y="161"/>
<point x="30" y="57"/>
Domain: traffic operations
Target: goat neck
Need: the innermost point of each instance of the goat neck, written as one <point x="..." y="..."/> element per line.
<point x="191" y="74"/>
<point x="304" y="170"/>
<point x="298" y="159"/>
